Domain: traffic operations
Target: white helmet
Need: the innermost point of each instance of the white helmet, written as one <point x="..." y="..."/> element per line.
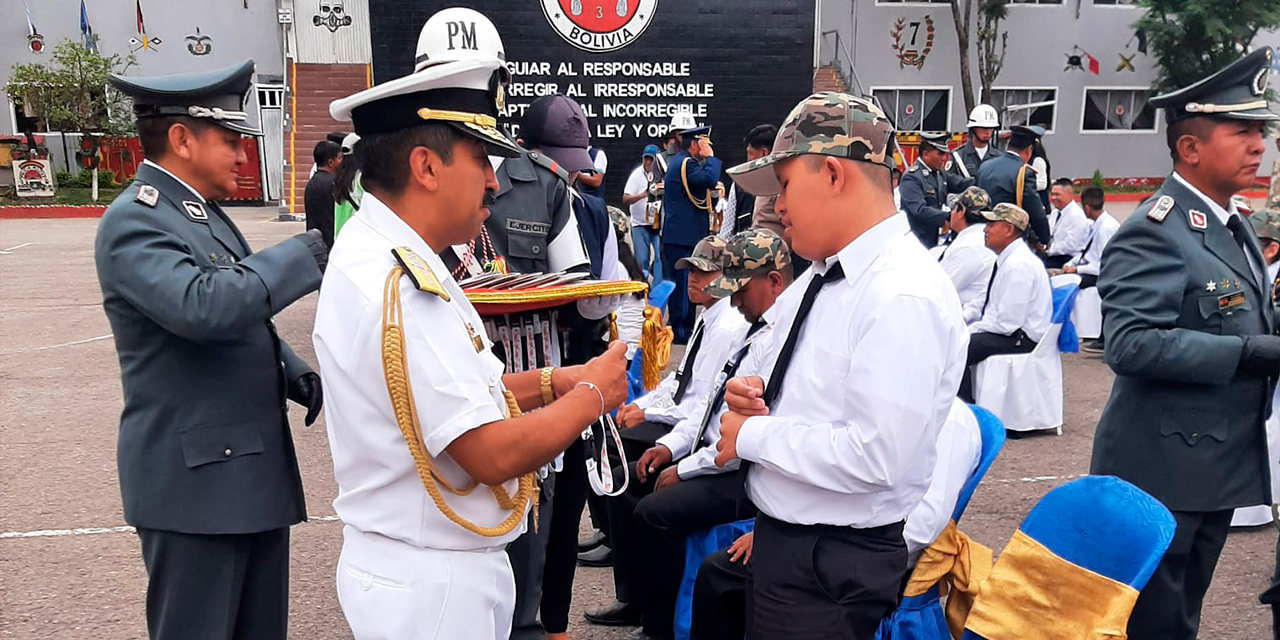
<point x="984" y="116"/>
<point x="349" y="144"/>
<point x="682" y="120"/>
<point x="457" y="34"/>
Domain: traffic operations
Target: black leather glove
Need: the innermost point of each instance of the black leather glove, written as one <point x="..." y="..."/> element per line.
<point x="306" y="391"/>
<point x="1260" y="356"/>
<point x="319" y="250"/>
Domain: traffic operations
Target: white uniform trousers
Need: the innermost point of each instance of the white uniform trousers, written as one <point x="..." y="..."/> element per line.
<point x="390" y="590"/>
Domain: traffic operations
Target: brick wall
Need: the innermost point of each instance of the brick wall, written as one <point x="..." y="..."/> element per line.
<point x="828" y="79"/>
<point x="318" y="85"/>
<point x="757" y="53"/>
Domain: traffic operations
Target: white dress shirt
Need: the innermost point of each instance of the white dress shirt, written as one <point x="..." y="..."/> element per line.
<point x="959" y="449"/>
<point x="724" y="327"/>
<point x="1223" y="215"/>
<point x="1021" y="297"/>
<point x="1069" y="229"/>
<point x="456" y="388"/>
<point x="967" y="261"/>
<point x="1100" y="231"/>
<point x="851" y="439"/>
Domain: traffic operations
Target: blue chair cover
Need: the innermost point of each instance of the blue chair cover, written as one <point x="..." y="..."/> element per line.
<point x="921" y="617"/>
<point x="1064" y="299"/>
<point x="659" y="293"/>
<point x="1103" y="524"/>
<point x="696" y="549"/>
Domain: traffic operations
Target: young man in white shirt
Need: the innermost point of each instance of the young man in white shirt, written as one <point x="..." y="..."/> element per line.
<point x="1102" y="227"/>
<point x="1019" y="302"/>
<point x="677" y="487"/>
<point x="642" y="196"/>
<point x="1068" y="226"/>
<point x="838" y="455"/>
<point x="967" y="260"/>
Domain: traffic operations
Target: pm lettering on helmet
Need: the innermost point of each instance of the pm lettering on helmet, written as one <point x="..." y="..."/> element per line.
<point x="464" y="32"/>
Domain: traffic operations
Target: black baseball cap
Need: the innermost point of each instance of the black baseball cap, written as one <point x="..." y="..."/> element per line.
<point x="556" y="126"/>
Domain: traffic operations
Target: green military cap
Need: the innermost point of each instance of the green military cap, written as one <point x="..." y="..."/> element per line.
<point x="1008" y="212"/>
<point x="707" y="255"/>
<point x="1237" y="92"/>
<point x="751" y="253"/>
<point x="937" y="140"/>
<point x="829" y="124"/>
<point x="216" y="95"/>
<point x="1266" y="223"/>
<point x="974" y="200"/>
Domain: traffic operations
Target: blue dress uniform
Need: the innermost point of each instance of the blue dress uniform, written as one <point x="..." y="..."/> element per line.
<point x="1186" y="304"/>
<point x="207" y="466"/>
<point x="687" y="211"/>
<point x="999" y="178"/>
<point x="925" y="190"/>
<point x="966" y="163"/>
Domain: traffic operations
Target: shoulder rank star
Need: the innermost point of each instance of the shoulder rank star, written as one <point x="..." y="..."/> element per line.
<point x="1211" y="286"/>
<point x="148" y="195"/>
<point x="1226" y="284"/>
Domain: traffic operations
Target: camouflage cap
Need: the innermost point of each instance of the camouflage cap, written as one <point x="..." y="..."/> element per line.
<point x="829" y="124"/>
<point x="1266" y="223"/>
<point x="974" y="200"/>
<point x="751" y="253"/>
<point x="1008" y="212"/>
<point x="707" y="255"/>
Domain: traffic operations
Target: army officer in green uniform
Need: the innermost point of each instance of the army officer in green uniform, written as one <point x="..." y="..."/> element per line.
<point x="1189" y="335"/>
<point x="207" y="466"/>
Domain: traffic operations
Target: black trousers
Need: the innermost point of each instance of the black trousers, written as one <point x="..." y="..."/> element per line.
<point x="528" y="555"/>
<point x="562" y="541"/>
<point x="822" y="582"/>
<point x="680" y="316"/>
<point x="217" y="587"/>
<point x="985" y="345"/>
<point x="720" y="599"/>
<point x="1169" y="606"/>
<point x="649" y="531"/>
<point x="1054" y="262"/>
<point x="1087" y="281"/>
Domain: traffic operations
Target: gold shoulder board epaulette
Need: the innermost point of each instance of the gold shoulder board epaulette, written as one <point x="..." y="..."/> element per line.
<point x="1161" y="209"/>
<point x="419" y="272"/>
<point x="148" y="195"/>
<point x="549" y="165"/>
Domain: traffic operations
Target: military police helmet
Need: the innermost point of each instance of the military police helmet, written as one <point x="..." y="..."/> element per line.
<point x="682" y="120"/>
<point x="455" y="34"/>
<point x="984" y="116"/>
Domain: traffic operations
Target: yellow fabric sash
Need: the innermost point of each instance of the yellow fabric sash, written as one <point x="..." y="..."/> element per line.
<point x="959" y="566"/>
<point x="1033" y="593"/>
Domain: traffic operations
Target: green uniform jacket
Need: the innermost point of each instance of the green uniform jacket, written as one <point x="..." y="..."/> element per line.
<point x="1177" y="295"/>
<point x="204" y="443"/>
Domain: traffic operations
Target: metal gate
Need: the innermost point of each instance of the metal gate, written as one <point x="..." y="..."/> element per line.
<point x="271" y="115"/>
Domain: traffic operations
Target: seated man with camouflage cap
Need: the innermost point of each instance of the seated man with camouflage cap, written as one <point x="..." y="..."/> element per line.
<point x="967" y="260"/>
<point x="649" y="529"/>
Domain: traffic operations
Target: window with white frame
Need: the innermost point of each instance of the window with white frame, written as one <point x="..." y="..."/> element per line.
<point x="1026" y="106"/>
<point x="1035" y="1"/>
<point x="916" y="108"/>
<point x="1116" y="3"/>
<point x="913" y="1"/>
<point x="1123" y="109"/>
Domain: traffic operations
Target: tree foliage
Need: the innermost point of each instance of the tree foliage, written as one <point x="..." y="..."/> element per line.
<point x="1191" y="39"/>
<point x="71" y="92"/>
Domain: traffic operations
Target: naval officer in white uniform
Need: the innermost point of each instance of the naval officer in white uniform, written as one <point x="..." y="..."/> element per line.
<point x="420" y="413"/>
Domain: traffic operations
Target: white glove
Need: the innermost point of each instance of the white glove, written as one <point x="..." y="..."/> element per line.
<point x="597" y="308"/>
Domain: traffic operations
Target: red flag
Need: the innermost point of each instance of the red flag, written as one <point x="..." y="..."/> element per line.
<point x="141" y="28"/>
<point x="1094" y="67"/>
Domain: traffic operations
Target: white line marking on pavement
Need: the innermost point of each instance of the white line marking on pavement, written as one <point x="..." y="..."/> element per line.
<point x="57" y="346"/>
<point x="1039" y="479"/>
<point x="90" y="531"/>
<point x="15" y="247"/>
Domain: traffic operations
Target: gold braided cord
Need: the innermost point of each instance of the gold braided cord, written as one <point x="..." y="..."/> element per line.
<point x="555" y="294"/>
<point x="655" y="348"/>
<point x="396" y="370"/>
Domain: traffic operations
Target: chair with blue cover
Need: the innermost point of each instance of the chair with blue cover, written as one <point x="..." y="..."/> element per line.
<point x="1075" y="566"/>
<point x="946" y="566"/>
<point x="1025" y="389"/>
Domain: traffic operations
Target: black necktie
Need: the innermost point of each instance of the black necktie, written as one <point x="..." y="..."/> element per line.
<point x="730" y="368"/>
<point x="990" y="283"/>
<point x="784" y="355"/>
<point x="686" y="368"/>
<point x="1236" y="226"/>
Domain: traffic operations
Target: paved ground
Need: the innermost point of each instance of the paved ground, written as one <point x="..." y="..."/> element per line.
<point x="60" y="402"/>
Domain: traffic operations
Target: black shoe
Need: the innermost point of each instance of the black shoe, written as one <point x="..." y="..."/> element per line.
<point x="1015" y="435"/>
<point x="600" y="556"/>
<point x="590" y="542"/>
<point x="618" y="614"/>
<point x="1092" y="346"/>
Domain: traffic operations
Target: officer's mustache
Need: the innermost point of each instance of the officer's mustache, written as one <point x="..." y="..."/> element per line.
<point x="490" y="198"/>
